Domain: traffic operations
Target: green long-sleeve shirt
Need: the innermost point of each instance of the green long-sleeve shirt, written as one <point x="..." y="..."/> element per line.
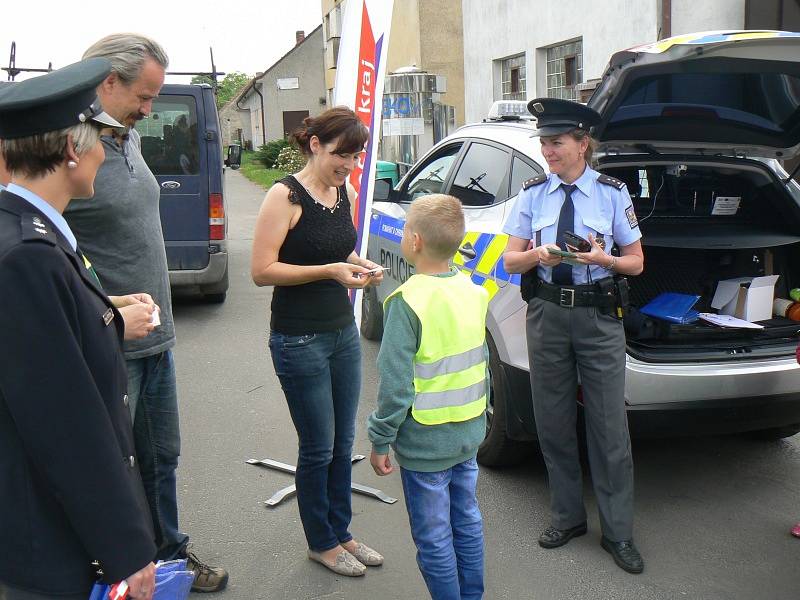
<point x="418" y="447"/>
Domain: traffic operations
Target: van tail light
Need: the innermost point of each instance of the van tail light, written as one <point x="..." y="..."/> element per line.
<point x="216" y="217"/>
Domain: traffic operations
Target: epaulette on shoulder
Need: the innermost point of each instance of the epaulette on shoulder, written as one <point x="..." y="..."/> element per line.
<point x="538" y="180"/>
<point x="34" y="229"/>
<point x="612" y="181"/>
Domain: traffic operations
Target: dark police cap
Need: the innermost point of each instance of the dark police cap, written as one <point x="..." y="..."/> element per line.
<point x="57" y="100"/>
<point x="555" y="116"/>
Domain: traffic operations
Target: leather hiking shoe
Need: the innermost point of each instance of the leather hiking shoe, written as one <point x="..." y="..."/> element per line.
<point x="553" y="538"/>
<point x="625" y="555"/>
<point x="206" y="578"/>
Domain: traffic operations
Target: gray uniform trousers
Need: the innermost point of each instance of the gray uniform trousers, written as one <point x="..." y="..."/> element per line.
<point x="559" y="339"/>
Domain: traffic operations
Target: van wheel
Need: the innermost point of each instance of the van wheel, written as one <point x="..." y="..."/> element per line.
<point x="497" y="449"/>
<point x="371" y="315"/>
<point x="777" y="433"/>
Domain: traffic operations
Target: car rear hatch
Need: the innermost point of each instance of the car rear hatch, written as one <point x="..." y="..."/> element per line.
<point x="682" y="121"/>
<point x="735" y="93"/>
<point x="174" y="149"/>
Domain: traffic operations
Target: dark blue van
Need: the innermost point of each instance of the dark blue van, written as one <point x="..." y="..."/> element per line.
<point x="181" y="144"/>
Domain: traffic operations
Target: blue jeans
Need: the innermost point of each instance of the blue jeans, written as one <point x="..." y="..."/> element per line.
<point x="320" y="374"/>
<point x="447" y="528"/>
<point x="153" y="402"/>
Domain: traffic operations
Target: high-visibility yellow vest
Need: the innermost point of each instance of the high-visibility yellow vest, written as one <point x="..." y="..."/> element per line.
<point x="450" y="365"/>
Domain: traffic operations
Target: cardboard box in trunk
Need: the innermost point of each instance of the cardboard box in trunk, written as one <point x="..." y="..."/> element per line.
<point x="748" y="298"/>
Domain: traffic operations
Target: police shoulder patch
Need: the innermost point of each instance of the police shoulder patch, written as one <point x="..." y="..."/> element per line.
<point x="612" y="181"/>
<point x="538" y="180"/>
<point x="631" y="214"/>
<point x="34" y="228"/>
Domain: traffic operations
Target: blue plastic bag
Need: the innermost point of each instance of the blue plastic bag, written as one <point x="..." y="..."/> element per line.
<point x="672" y="307"/>
<point x="173" y="582"/>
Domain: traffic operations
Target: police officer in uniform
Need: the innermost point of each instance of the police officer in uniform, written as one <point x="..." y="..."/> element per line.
<point x="574" y="323"/>
<point x="71" y="490"/>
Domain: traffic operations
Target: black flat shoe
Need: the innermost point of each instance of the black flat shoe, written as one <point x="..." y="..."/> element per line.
<point x="625" y="555"/>
<point x="553" y="538"/>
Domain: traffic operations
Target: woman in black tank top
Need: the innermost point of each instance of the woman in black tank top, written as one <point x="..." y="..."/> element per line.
<point x="304" y="246"/>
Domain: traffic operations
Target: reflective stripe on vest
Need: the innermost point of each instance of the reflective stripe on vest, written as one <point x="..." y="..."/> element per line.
<point x="450" y="364"/>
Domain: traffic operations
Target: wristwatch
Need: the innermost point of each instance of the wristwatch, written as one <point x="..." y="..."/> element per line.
<point x="611" y="266"/>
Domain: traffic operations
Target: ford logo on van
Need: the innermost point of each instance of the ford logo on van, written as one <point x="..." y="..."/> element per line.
<point x="171" y="185"/>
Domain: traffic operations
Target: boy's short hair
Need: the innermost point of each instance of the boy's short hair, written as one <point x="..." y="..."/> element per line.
<point x="439" y="220"/>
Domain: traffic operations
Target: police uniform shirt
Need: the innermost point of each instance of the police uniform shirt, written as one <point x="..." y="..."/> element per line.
<point x="49" y="212"/>
<point x="600" y="208"/>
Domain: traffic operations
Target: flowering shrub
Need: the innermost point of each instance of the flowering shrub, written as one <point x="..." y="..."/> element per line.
<point x="290" y="160"/>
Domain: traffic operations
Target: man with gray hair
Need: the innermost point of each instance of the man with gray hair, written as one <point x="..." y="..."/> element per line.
<point x="119" y="229"/>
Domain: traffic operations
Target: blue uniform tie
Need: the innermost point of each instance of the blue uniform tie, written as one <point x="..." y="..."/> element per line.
<point x="562" y="272"/>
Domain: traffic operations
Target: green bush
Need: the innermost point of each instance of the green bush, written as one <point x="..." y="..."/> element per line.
<point x="267" y="154"/>
<point x="290" y="159"/>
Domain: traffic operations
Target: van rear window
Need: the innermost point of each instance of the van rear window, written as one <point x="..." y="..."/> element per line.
<point x="170" y="143"/>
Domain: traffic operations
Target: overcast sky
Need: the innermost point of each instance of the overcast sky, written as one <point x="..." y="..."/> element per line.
<point x="246" y="35"/>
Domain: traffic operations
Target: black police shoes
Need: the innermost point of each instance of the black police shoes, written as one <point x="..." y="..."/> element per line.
<point x="553" y="538"/>
<point x="625" y="555"/>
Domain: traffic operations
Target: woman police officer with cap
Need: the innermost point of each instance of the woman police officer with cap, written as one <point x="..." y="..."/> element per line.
<point x="574" y="321"/>
<point x="71" y="490"/>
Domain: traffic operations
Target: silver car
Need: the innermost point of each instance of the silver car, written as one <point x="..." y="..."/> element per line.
<point x="686" y="121"/>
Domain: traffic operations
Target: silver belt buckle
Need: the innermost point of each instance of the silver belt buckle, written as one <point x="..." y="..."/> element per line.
<point x="567" y="298"/>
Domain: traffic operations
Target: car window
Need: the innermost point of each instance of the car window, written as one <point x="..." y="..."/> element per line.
<point x="169" y="136"/>
<point x="430" y="176"/>
<point x="521" y="172"/>
<point x="482" y="177"/>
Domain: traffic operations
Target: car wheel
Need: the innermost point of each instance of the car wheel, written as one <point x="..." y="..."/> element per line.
<point x="371" y="314"/>
<point x="777" y="433"/>
<point x="497" y="449"/>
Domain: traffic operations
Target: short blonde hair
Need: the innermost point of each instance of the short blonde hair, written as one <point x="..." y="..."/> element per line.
<point x="439" y="220"/>
<point x="37" y="155"/>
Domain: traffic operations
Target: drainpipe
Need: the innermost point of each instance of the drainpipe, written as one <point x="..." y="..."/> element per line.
<point x="263" y="128"/>
<point x="665" y="30"/>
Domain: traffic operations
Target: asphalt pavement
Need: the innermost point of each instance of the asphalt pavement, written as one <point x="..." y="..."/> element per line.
<point x="712" y="514"/>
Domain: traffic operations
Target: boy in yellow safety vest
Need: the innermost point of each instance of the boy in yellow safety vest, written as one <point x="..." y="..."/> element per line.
<point x="432" y="399"/>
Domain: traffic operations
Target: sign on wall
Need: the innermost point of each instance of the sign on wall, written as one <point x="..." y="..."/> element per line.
<point x="360" y="70"/>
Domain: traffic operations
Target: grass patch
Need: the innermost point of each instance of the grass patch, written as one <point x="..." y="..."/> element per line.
<point x="257" y="173"/>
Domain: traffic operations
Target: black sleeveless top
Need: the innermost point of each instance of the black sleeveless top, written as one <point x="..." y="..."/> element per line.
<point x="321" y="236"/>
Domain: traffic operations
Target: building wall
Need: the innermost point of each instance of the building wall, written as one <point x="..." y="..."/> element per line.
<point x="404" y="39"/>
<point x="305" y="63"/>
<point x="689" y="16"/>
<point x="441" y="35"/>
<point x="230" y="121"/>
<point x="529" y="26"/>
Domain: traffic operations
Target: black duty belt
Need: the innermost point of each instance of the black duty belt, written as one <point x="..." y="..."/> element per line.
<point x="576" y="295"/>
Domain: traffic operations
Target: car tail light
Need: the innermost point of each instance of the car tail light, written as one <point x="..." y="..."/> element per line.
<point x="216" y="217"/>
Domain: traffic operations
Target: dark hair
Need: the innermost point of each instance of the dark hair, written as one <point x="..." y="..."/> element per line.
<point x="338" y="122"/>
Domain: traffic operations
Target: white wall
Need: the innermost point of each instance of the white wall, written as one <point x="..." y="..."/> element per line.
<point x="502" y="28"/>
<point x="494" y="30"/>
<point x="689" y="16"/>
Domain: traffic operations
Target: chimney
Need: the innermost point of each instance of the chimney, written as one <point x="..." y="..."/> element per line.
<point x="299" y="36"/>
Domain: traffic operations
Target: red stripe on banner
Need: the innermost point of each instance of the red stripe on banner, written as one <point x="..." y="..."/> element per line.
<point x="365" y="96"/>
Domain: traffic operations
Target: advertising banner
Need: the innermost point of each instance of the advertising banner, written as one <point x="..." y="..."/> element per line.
<point x="360" y="70"/>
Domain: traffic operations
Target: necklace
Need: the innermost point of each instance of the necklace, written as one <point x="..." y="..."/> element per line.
<point x="322" y="205"/>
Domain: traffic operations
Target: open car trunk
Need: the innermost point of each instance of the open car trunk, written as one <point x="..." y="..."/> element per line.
<point x="689" y="245"/>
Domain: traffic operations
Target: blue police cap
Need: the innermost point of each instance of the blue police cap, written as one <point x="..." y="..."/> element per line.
<point x="555" y="116"/>
<point x="55" y="101"/>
